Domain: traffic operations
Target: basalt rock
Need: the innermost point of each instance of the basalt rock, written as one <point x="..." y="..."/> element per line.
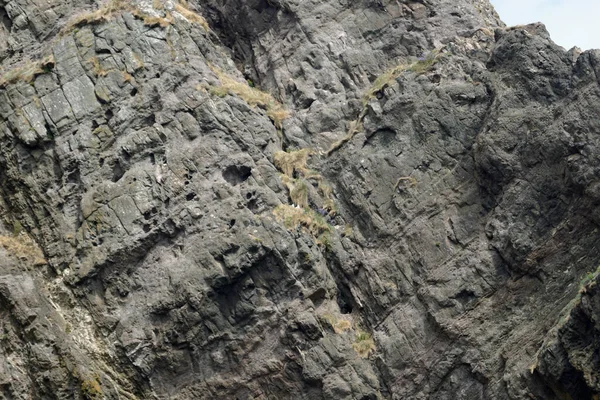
<point x="295" y="200"/>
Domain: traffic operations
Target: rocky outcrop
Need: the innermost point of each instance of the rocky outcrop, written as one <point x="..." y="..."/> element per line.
<point x="295" y="200"/>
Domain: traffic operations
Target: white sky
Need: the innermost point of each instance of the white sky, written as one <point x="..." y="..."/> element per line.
<point x="570" y="22"/>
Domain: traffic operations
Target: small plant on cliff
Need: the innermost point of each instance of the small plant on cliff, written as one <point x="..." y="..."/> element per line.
<point x="339" y="325"/>
<point x="294" y="217"/>
<point x="90" y="389"/>
<point x="586" y="283"/>
<point x="588" y="280"/>
<point x="298" y="189"/>
<point x="363" y="344"/>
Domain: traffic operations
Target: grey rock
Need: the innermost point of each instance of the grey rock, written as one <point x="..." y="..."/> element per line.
<point x="149" y="242"/>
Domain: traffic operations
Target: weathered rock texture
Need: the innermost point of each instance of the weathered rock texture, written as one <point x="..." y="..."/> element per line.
<point x="157" y="242"/>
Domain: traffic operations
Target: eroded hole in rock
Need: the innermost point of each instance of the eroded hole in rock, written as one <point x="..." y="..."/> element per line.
<point x="235" y="174"/>
<point x="253" y="205"/>
<point x="109" y="114"/>
<point x="318" y="296"/>
<point x="381" y="137"/>
<point x="231" y="223"/>
<point x="5" y="19"/>
<point x="118" y="172"/>
<point x="126" y="156"/>
<point x="344" y="302"/>
<point x="190" y="196"/>
<point x="49" y="130"/>
<point x="133" y="92"/>
<point x="150" y="120"/>
<point x="369" y="397"/>
<point x="74" y="177"/>
<point x="149" y="214"/>
<point x="465" y="296"/>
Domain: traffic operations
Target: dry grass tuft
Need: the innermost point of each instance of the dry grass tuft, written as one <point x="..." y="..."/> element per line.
<point x="254" y="97"/>
<point x="384" y="80"/>
<point x="151" y="20"/>
<point x="102" y="14"/>
<point x="114" y="7"/>
<point x="420" y="66"/>
<point x="339" y="325"/>
<point x="28" y="71"/>
<point x="191" y="16"/>
<point x="97" y="69"/>
<point x="355" y="127"/>
<point x="296" y="175"/>
<point x="24" y="248"/>
<point x="293" y="161"/>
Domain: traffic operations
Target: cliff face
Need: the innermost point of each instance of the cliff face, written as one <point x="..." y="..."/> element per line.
<point x="294" y="199"/>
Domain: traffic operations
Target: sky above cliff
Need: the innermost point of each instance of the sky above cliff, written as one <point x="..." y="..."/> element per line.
<point x="570" y="22"/>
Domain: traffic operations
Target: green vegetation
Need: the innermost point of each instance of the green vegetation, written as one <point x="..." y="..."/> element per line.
<point x="296" y="176"/>
<point x="17" y="228"/>
<point x="294" y="217"/>
<point x="90" y="388"/>
<point x="298" y="189"/>
<point x="364" y="344"/>
<point x="254" y="97"/>
<point x="588" y="280"/>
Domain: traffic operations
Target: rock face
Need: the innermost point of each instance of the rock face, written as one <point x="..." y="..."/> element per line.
<point x="408" y="208"/>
